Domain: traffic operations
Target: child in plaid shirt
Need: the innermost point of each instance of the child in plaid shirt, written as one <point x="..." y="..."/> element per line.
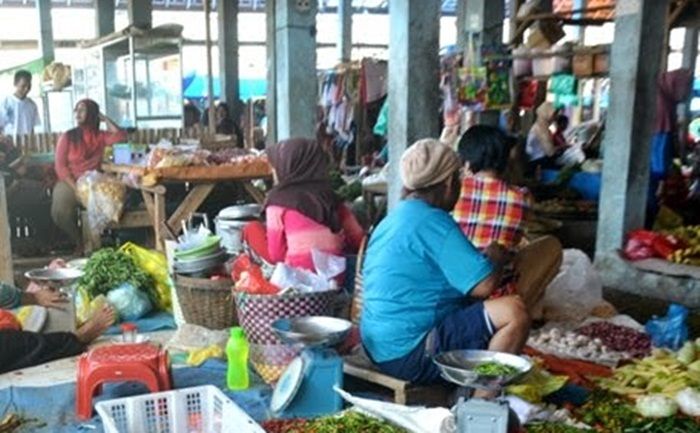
<point x="490" y="210"/>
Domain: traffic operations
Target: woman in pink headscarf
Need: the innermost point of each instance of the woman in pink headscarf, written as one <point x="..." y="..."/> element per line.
<point x="78" y="151"/>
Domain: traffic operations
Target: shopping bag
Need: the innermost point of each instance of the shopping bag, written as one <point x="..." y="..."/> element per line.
<point x="154" y="264"/>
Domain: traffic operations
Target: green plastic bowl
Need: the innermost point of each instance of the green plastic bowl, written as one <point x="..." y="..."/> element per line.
<point x="206" y="248"/>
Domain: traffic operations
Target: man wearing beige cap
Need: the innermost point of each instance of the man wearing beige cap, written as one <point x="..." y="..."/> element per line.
<point x="425" y="283"/>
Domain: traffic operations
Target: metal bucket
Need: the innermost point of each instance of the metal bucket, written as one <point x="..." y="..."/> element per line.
<point x="230" y="222"/>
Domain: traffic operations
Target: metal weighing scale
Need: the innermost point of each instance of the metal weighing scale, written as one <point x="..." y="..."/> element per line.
<point x="477" y="415"/>
<point x="62" y="279"/>
<point x="305" y="389"/>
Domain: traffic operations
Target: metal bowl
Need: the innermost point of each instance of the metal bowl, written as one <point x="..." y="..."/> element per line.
<point x="242" y="211"/>
<point x="312" y="331"/>
<point x="458" y="367"/>
<point x="191" y="266"/>
<point x="54" y="278"/>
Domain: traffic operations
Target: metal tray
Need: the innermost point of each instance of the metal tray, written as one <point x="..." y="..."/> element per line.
<point x="54" y="278"/>
<point x="458" y="367"/>
<point x="312" y="331"/>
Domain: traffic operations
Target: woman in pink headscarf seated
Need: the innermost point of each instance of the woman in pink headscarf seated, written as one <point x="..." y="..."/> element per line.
<point x="302" y="211"/>
<point x="78" y="151"/>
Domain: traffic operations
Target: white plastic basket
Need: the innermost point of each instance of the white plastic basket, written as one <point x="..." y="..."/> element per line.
<point x="201" y="409"/>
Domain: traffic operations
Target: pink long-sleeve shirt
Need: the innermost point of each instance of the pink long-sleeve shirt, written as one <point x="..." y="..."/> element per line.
<point x="75" y="159"/>
<point x="291" y="236"/>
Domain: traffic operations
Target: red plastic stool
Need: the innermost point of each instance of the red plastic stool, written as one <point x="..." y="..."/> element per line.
<point x="141" y="362"/>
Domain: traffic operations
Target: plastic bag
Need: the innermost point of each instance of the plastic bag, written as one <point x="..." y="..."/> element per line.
<point x="85" y="309"/>
<point x="671" y="330"/>
<point x="154" y="264"/>
<point x="576" y="291"/>
<point x="327" y="265"/>
<point x="249" y="278"/>
<point x="301" y="280"/>
<point x="644" y="244"/>
<point x="129" y="302"/>
<point x="103" y="198"/>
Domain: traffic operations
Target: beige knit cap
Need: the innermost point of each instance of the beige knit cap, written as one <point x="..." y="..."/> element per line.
<point x="427" y="162"/>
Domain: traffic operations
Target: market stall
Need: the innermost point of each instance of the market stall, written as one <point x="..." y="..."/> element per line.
<point x="200" y="170"/>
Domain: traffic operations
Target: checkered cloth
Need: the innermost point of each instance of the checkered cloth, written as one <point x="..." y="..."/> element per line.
<point x="489" y="210"/>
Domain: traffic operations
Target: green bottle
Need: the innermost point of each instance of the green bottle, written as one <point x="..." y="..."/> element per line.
<point x="237" y="353"/>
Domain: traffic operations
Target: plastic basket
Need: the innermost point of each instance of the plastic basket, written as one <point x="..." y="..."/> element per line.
<point x="202" y="409"/>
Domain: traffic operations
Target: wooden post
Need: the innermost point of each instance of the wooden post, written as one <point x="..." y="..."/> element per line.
<point x="210" y="68"/>
<point x="6" y="271"/>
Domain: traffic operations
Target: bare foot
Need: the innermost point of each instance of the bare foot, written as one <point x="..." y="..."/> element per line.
<point x="96" y="326"/>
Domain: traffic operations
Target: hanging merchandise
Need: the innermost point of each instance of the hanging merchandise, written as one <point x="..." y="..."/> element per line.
<point x="473" y="88"/>
<point x="527" y="94"/>
<point x="498" y="80"/>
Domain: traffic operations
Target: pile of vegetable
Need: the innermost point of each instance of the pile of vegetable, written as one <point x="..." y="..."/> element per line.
<point x="347" y="422"/>
<point x="619" y="338"/>
<point x="610" y="414"/>
<point x="554" y="427"/>
<point x="571" y="345"/>
<point x="663" y="372"/>
<point x="494" y="368"/>
<point x="689" y="254"/>
<point x="109" y="268"/>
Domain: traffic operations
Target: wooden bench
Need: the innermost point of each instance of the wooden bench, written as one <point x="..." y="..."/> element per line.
<point x="359" y="366"/>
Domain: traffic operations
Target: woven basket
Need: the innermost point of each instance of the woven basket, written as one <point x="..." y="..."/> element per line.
<point x="257" y="312"/>
<point x="206" y="302"/>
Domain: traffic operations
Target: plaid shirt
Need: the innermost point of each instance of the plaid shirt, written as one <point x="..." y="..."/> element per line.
<point x="489" y="210"/>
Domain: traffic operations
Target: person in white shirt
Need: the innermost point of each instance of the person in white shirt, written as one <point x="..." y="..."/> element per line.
<point x="18" y="113"/>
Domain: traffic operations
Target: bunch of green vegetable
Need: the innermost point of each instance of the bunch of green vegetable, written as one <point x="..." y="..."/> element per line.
<point x="553" y="427"/>
<point x="493" y="368"/>
<point x="108" y="268"/>
<point x="348" y="422"/>
<point x="350" y="191"/>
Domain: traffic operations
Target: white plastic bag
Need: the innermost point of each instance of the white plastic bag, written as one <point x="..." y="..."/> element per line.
<point x="103" y="197"/>
<point x="327" y="265"/>
<point x="301" y="280"/>
<point x="575" y="291"/>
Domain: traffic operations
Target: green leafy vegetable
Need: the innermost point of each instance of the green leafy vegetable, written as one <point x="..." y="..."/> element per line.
<point x="108" y="268"/>
<point x="493" y="368"/>
<point x="553" y="427"/>
<point x="348" y="422"/>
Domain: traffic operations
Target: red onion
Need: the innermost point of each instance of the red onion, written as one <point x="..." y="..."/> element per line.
<point x="619" y="338"/>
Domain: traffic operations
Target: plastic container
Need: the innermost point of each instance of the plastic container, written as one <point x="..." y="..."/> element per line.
<point x="202" y="409"/>
<point x="237" y="351"/>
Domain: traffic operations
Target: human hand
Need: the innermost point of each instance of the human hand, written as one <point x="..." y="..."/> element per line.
<point x="50" y="298"/>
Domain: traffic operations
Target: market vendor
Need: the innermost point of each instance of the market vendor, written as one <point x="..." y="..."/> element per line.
<point x="489" y="210"/>
<point x="225" y="124"/>
<point x="540" y="146"/>
<point x="22" y="349"/>
<point x="302" y="210"/>
<point x="425" y="283"/>
<point x="78" y="151"/>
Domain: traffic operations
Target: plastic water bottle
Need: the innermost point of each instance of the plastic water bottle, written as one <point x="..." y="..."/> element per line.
<point x="237" y="354"/>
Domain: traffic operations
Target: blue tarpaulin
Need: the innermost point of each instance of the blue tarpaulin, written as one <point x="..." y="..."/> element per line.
<point x="195" y="87"/>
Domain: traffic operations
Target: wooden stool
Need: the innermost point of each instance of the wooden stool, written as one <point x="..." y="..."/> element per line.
<point x="142" y="362"/>
<point x="360" y="367"/>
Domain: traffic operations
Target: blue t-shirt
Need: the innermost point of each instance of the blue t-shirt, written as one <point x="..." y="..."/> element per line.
<point x="417" y="270"/>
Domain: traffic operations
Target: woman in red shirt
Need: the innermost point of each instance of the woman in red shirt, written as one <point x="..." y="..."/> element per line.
<point x="78" y="151"/>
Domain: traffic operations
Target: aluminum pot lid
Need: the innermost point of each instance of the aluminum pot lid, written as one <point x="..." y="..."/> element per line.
<point x="288" y="385"/>
<point x="251" y="210"/>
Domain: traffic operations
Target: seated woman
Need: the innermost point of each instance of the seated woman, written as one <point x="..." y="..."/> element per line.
<point x="78" y="151"/>
<point x="302" y="210"/>
<point x="490" y="211"/>
<point x="540" y="146"/>
<point x="425" y="284"/>
<point x="225" y="124"/>
<point x="22" y="349"/>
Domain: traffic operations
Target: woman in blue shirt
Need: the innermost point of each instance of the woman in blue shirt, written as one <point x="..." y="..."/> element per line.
<point x="425" y="283"/>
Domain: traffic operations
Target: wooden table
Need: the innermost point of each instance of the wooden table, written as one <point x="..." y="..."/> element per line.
<point x="202" y="180"/>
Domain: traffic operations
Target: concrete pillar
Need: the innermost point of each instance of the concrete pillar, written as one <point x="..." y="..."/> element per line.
<point x="104" y="17"/>
<point x="228" y="54"/>
<point x="43" y="8"/>
<point x="484" y="20"/>
<point x="690" y="48"/>
<point x="271" y="97"/>
<point x="414" y="96"/>
<point x="295" y="68"/>
<point x="344" y="30"/>
<point x="140" y="13"/>
<point x="635" y="64"/>
<point x="461" y="23"/>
